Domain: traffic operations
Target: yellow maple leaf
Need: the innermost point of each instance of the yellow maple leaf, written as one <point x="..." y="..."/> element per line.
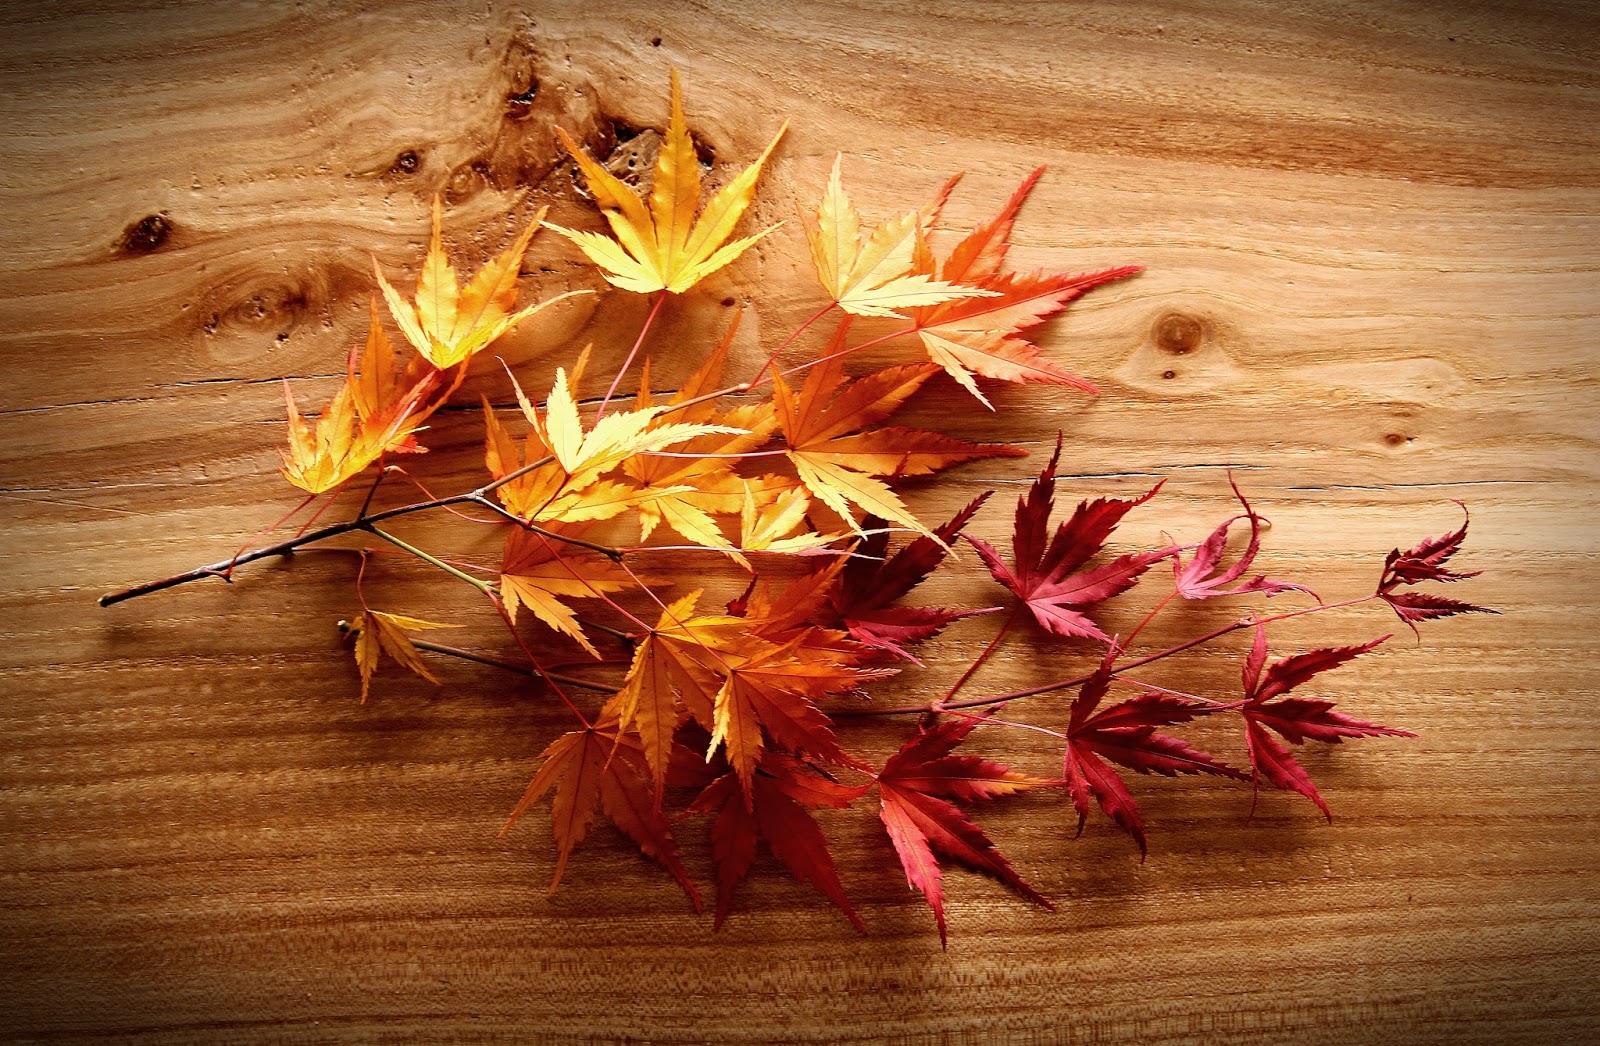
<point x="373" y="413"/>
<point x="376" y="630"/>
<point x="572" y="487"/>
<point x="660" y="245"/>
<point x="449" y="325"/>
<point x="870" y="274"/>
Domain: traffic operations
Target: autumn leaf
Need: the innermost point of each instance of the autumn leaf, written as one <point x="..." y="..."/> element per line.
<point x="981" y="336"/>
<point x="1049" y="580"/>
<point x="661" y="245"/>
<point x="777" y="524"/>
<point x="1296" y="719"/>
<point x="1426" y="562"/>
<point x="784" y="790"/>
<point x="1125" y="734"/>
<point x="869" y="273"/>
<point x="769" y="690"/>
<point x="1201" y="578"/>
<point x="449" y="325"/>
<point x="838" y="462"/>
<point x="539" y="571"/>
<point x="675" y="666"/>
<point x="915" y="789"/>
<point x="871" y="583"/>
<point x="376" y="631"/>
<point x="373" y="413"/>
<point x="697" y="482"/>
<point x="570" y="488"/>
<point x="601" y="769"/>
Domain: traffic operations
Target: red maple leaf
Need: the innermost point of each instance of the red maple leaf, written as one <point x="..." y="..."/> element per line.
<point x="870" y="582"/>
<point x="1296" y="719"/>
<point x="1426" y="562"/>
<point x="1125" y="734"/>
<point x="1200" y="578"/>
<point x="1048" y="579"/>
<point x="783" y="790"/>
<point x="915" y="787"/>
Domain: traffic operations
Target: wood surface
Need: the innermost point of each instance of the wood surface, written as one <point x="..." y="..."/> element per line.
<point x="1370" y="233"/>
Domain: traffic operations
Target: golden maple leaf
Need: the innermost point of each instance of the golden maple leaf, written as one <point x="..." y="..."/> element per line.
<point x="870" y="274"/>
<point x="377" y="630"/>
<point x="660" y="245"/>
<point x="372" y="414"/>
<point x="449" y="325"/>
<point x="571" y="488"/>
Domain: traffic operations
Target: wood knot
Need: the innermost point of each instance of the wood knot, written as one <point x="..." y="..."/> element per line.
<point x="408" y="162"/>
<point x="519" y="104"/>
<point x="1179" y="334"/>
<point x="1394" y="439"/>
<point x="145" y="235"/>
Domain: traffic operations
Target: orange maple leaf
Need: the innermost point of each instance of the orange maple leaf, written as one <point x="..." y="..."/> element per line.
<point x="372" y="414"/>
<point x="375" y="630"/>
<point x="838" y="462"/>
<point x="539" y="571"/>
<point x="980" y="336"/>
<point x="601" y="768"/>
<point x="662" y="246"/>
<point x="694" y="488"/>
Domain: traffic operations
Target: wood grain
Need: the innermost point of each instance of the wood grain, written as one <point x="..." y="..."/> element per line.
<point x="1370" y="236"/>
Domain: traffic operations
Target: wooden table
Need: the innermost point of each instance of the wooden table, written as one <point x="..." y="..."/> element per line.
<point x="1370" y="236"/>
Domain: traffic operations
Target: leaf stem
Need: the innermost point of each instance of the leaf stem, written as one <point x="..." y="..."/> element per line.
<point x="942" y="703"/>
<point x="773" y="358"/>
<point x="477" y="583"/>
<point x="661" y="298"/>
<point x="494" y="662"/>
<point x="1066" y="684"/>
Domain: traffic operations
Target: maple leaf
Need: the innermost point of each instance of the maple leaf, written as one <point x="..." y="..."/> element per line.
<point x="698" y="482"/>
<point x="376" y="630"/>
<point x="449" y="325"/>
<point x="662" y="246"/>
<point x="1426" y="562"/>
<point x="600" y="768"/>
<point x="1200" y="577"/>
<point x="1048" y="579"/>
<point x="980" y="336"/>
<point x="769" y="524"/>
<point x="915" y="788"/>
<point x="870" y="583"/>
<point x="769" y="690"/>
<point x="1296" y="719"/>
<point x="538" y="571"/>
<point x="373" y="413"/>
<point x="784" y="789"/>
<point x="571" y="488"/>
<point x="674" y="667"/>
<point x="838" y="462"/>
<point x="1125" y="734"/>
<point x="869" y="274"/>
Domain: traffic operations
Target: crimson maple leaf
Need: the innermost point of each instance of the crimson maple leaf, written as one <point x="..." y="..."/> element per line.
<point x="1296" y="719"/>
<point x="1426" y="562"/>
<point x="1200" y="577"/>
<point x="783" y="790"/>
<point x="1125" y="733"/>
<point x="870" y="582"/>
<point x="916" y="786"/>
<point x="1048" y="579"/>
